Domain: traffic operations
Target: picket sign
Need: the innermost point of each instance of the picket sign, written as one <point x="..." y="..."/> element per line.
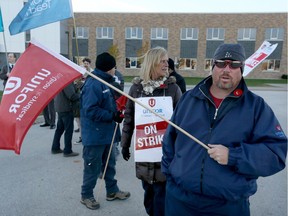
<point x="260" y="55"/>
<point x="150" y="129"/>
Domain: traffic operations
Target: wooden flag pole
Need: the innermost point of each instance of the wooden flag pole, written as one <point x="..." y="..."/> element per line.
<point x="148" y="108"/>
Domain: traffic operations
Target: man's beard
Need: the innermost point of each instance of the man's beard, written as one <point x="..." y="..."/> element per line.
<point x="225" y="86"/>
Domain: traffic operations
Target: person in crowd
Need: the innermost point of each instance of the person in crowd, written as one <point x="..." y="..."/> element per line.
<point x="49" y="114"/>
<point x="99" y="117"/>
<point x="64" y="103"/>
<point x="180" y="81"/>
<point x="78" y="85"/>
<point x="152" y="83"/>
<point x="242" y="134"/>
<point x="127" y="63"/>
<point x="87" y="65"/>
<point x="6" y="69"/>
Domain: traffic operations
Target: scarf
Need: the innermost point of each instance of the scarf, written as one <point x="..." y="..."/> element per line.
<point x="151" y="85"/>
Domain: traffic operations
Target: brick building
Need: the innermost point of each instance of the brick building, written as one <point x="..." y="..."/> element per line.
<point x="190" y="39"/>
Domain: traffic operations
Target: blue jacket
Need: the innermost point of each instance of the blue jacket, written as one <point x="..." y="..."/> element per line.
<point x="97" y="110"/>
<point x="244" y="123"/>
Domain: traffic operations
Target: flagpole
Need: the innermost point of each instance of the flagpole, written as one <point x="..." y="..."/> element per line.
<point x="76" y="41"/>
<point x="146" y="107"/>
<point x="107" y="161"/>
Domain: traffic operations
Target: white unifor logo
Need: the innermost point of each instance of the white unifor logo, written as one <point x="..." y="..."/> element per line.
<point x="12" y="85"/>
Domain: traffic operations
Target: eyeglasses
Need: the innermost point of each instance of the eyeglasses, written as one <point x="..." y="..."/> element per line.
<point x="224" y="63"/>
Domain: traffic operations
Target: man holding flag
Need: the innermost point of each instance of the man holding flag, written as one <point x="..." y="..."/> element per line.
<point x="244" y="138"/>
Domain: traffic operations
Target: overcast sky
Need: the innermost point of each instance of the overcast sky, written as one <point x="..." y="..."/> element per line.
<point x="181" y="6"/>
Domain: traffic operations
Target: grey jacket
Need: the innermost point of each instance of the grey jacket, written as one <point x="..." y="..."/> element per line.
<point x="67" y="99"/>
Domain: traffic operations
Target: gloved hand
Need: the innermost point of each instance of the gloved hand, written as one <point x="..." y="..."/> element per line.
<point x="118" y="117"/>
<point x="125" y="153"/>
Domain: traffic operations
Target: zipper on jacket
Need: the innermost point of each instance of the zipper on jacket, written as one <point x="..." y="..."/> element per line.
<point x="215" y="114"/>
<point x="201" y="177"/>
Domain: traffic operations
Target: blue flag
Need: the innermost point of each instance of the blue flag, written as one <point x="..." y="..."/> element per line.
<point x="1" y="22"/>
<point x="38" y="13"/>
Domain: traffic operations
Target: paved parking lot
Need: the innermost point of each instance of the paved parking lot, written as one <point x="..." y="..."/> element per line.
<point x="39" y="183"/>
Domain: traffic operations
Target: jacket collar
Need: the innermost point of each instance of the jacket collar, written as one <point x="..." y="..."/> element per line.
<point x="204" y="86"/>
<point x="103" y="75"/>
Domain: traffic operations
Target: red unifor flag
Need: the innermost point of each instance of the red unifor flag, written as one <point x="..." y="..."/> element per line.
<point x="36" y="78"/>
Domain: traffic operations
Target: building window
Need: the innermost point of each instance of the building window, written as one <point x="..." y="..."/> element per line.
<point x="247" y="34"/>
<point x="159" y="34"/>
<point x="189" y="34"/>
<point x="133" y="33"/>
<point x="104" y="32"/>
<point x="133" y="62"/>
<point x="208" y="64"/>
<point x="274" y="34"/>
<point x="82" y="32"/>
<point x="271" y="65"/>
<point x="215" y="34"/>
<point x="187" y="63"/>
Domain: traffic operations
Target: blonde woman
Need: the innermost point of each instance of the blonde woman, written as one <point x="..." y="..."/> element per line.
<point x="154" y="82"/>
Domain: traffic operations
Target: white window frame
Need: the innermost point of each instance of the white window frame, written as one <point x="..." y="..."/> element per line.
<point x="82" y="32"/>
<point x="133" y="62"/>
<point x="278" y="32"/>
<point x="185" y="33"/>
<point x="215" y="34"/>
<point x="208" y="67"/>
<point x="247" y="34"/>
<point x="134" y="33"/>
<point x="268" y="65"/>
<point x="104" y="32"/>
<point x="159" y="33"/>
<point x="187" y="61"/>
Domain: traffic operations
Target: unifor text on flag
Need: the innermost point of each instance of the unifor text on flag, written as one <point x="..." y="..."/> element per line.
<point x="36" y="78"/>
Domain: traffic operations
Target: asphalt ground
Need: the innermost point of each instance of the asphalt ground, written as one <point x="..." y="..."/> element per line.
<point x="37" y="183"/>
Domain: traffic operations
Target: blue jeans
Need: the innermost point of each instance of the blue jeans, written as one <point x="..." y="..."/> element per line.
<point x="95" y="158"/>
<point x="65" y="124"/>
<point x="154" y="198"/>
<point x="180" y="202"/>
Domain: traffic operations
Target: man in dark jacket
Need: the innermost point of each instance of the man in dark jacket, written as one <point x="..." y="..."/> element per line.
<point x="64" y="103"/>
<point x="180" y="81"/>
<point x="98" y="121"/>
<point x="244" y="139"/>
<point x="6" y="69"/>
